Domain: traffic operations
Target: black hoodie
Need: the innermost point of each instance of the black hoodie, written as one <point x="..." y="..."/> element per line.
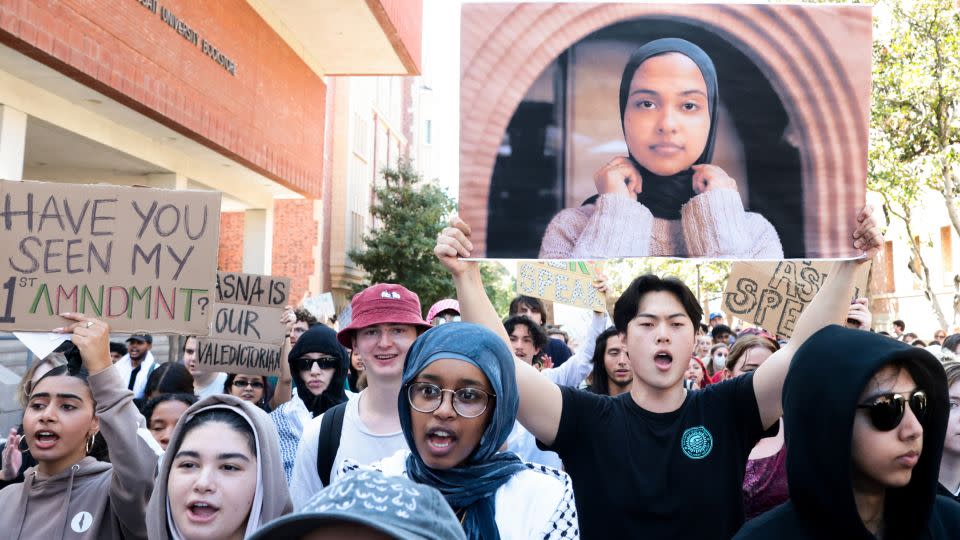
<point x="820" y="394"/>
<point x="320" y="339"/>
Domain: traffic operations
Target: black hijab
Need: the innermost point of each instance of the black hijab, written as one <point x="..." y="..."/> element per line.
<point x="664" y="195"/>
<point x="320" y="339"/>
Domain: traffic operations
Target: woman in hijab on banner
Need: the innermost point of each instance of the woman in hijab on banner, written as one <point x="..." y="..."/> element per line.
<point x="665" y="198"/>
<point x="221" y="476"/>
<point x="454" y="441"/>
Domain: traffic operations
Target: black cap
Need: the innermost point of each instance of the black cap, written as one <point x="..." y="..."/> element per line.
<point x="146" y="338"/>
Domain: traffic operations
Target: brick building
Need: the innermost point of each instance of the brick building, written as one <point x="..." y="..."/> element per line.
<point x="233" y="95"/>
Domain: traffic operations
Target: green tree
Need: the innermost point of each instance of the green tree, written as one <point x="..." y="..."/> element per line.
<point x="408" y="214"/>
<point x="916" y="93"/>
<point x="915" y="127"/>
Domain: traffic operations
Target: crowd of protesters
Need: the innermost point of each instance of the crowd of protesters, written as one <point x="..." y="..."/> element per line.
<point x="469" y="423"/>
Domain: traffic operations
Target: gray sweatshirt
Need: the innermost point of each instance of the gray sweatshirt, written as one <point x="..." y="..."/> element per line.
<point x="90" y="499"/>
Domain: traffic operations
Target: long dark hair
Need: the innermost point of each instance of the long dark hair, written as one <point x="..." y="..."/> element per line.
<point x="599" y="380"/>
<point x="74" y="368"/>
<point x="264" y="400"/>
<point x="169" y="378"/>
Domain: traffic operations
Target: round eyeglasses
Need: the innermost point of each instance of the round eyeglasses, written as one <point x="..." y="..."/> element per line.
<point x="467" y="402"/>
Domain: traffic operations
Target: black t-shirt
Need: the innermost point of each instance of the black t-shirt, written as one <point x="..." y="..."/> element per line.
<point x="638" y="474"/>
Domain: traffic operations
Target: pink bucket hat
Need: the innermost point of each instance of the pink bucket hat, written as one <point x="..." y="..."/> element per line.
<point x="384" y="303"/>
<point x="443" y="305"/>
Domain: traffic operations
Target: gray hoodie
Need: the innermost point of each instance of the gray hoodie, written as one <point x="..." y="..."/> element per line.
<point x="91" y="499"/>
<point x="272" y="496"/>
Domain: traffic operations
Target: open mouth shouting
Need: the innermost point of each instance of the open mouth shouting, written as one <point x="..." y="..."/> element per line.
<point x="663" y="360"/>
<point x="440" y="441"/>
<point x="45" y="439"/>
<point x="202" y="511"/>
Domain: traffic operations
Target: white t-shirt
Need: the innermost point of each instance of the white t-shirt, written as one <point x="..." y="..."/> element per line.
<point x="215" y="387"/>
<point x="125" y="368"/>
<point x="535" y="503"/>
<point x="356" y="443"/>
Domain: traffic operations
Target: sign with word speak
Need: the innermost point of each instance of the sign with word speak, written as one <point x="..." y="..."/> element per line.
<point x="565" y="282"/>
<point x="246" y="335"/>
<point x="141" y="259"/>
<point x="772" y="294"/>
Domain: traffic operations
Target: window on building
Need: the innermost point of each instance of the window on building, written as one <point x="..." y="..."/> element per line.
<point x="889" y="283"/>
<point x="946" y="254"/>
<point x="428" y="133"/>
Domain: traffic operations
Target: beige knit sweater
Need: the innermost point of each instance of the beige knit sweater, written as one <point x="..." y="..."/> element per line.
<point x="713" y="224"/>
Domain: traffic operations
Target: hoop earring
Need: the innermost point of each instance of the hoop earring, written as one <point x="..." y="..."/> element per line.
<point x="89" y="445"/>
<point x="20" y="443"/>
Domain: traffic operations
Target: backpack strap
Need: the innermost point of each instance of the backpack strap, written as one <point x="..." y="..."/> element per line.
<point x="331" y="426"/>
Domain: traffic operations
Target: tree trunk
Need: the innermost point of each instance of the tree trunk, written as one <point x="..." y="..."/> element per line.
<point x="948" y="197"/>
<point x="924" y="272"/>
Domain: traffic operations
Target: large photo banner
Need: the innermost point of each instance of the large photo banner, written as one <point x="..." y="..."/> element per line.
<point x="142" y="259"/>
<point x="734" y="131"/>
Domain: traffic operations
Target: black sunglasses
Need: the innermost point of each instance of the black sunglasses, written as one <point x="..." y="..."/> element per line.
<point x="887" y="410"/>
<point x="256" y="385"/>
<point x="324" y="362"/>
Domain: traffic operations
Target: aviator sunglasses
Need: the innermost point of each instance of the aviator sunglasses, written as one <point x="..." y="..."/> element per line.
<point x="324" y="362"/>
<point x="887" y="410"/>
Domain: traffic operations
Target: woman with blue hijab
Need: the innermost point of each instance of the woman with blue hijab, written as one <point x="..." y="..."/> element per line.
<point x="457" y="406"/>
<point x="665" y="197"/>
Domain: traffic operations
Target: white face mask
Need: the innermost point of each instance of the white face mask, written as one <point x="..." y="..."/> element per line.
<point x="719" y="361"/>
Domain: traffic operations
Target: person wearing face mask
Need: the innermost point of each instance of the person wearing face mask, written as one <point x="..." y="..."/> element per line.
<point x="718" y="361"/>
<point x="318" y="364"/>
<point x="665" y="197"/>
<point x="221" y="476"/>
<point x="458" y="406"/>
<point x="664" y="442"/>
<point x="864" y="444"/>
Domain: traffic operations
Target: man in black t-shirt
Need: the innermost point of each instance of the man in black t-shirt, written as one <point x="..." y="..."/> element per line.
<point x="644" y="461"/>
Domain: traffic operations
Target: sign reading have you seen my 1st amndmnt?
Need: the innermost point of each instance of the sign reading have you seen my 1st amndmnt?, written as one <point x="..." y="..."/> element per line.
<point x="246" y="335"/>
<point x="141" y="259"/>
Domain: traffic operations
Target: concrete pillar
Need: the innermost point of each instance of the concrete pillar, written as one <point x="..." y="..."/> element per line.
<point x="258" y="240"/>
<point x="13" y="141"/>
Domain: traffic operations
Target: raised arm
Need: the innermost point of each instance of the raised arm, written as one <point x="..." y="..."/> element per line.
<point x="122" y="425"/>
<point x="829" y="306"/>
<point x="540" y="401"/>
<point x="283" y="392"/>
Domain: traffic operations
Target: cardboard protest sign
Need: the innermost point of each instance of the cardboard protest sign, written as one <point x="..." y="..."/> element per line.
<point x="772" y="294"/>
<point x="321" y="306"/>
<point x="246" y="335"/>
<point x="141" y="259"/>
<point x="566" y="282"/>
<point x="782" y="119"/>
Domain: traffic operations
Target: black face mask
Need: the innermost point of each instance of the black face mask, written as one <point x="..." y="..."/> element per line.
<point x="664" y="195"/>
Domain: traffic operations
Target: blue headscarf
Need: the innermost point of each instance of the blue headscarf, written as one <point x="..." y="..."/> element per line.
<point x="472" y="486"/>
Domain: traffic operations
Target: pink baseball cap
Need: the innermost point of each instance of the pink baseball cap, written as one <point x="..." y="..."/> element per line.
<point x="443" y="305"/>
<point x="384" y="303"/>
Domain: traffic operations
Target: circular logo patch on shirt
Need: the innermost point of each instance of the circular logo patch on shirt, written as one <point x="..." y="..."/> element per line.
<point x="81" y="522"/>
<point x="696" y="442"/>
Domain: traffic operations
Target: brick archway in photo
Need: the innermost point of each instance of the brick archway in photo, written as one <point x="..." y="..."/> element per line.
<point x="504" y="47"/>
